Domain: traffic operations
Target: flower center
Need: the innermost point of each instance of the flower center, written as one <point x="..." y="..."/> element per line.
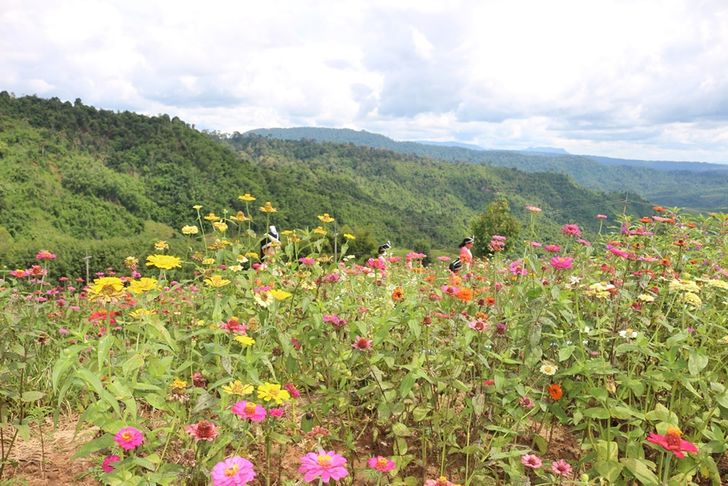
<point x="324" y="460"/>
<point x="382" y="462"/>
<point x="232" y="470"/>
<point x="673" y="437"/>
<point x="126" y="436"/>
<point x="250" y="407"/>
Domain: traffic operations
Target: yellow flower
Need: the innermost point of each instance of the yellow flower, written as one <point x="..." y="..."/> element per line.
<point x="268" y="208"/>
<point x="280" y="294"/>
<point x="241" y="259"/>
<point x="164" y="262"/>
<point x="208" y="261"/>
<point x="252" y="254"/>
<point x="600" y="289"/>
<point x="271" y="392"/>
<point x="245" y="341"/>
<point x="237" y="388"/>
<point x="106" y="288"/>
<point x="221" y="226"/>
<point x="263" y="299"/>
<point x="196" y="207"/>
<point x="692" y="299"/>
<point x="349" y="236"/>
<point x="724" y="339"/>
<point x="212" y="217"/>
<point x="720" y="284"/>
<point x="239" y="217"/>
<point x="178" y="384"/>
<point x="287" y="233"/>
<point x="144" y="284"/>
<point x="235" y="268"/>
<point x="139" y="313"/>
<point x="686" y="285"/>
<point x="131" y="262"/>
<point x="646" y="298"/>
<point x="217" y="281"/>
<point x="326" y="218"/>
<point x="320" y="231"/>
<point x="190" y="230"/>
<point x="161" y="245"/>
<point x="246" y="197"/>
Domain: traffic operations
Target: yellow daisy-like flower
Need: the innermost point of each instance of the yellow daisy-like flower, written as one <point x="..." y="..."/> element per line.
<point x="686" y="285"/>
<point x="280" y="294"/>
<point x="235" y="268"/>
<point x="106" y="288"/>
<point x="161" y="245"/>
<point x="239" y="217"/>
<point x="548" y="369"/>
<point x="263" y="299"/>
<point x="268" y="208"/>
<point x="220" y="226"/>
<point x="139" y="313"/>
<point x="217" y="281"/>
<point x="164" y="262"/>
<point x="246" y="197"/>
<point x="208" y="261"/>
<point x="196" y="207"/>
<point x="719" y="284"/>
<point x="238" y="388"/>
<point x="692" y="299"/>
<point x="245" y="341"/>
<point x="190" y="230"/>
<point x="287" y="233"/>
<point x="646" y="298"/>
<point x="349" y="236"/>
<point x="131" y="262"/>
<point x="212" y="217"/>
<point x="144" y="284"/>
<point x="320" y="230"/>
<point x="271" y="392"/>
<point x="252" y="254"/>
<point x="178" y="384"/>
<point x="326" y="218"/>
<point x="241" y="259"/>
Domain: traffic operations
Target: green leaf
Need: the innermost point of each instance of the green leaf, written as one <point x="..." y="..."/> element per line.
<point x="566" y="352"/>
<point x="609" y="470"/>
<point x="697" y="362"/>
<point x="400" y="430"/>
<point x="32" y="396"/>
<point x="597" y="413"/>
<point x="640" y="471"/>
<point x="104" y="347"/>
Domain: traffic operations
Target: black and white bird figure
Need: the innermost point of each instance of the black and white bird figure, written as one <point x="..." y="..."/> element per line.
<point x="455" y="265"/>
<point x="269" y="242"/>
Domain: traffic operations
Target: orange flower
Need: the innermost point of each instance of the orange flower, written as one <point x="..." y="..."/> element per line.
<point x="555" y="391"/>
<point x="646" y="220"/>
<point x="490" y="301"/>
<point x="465" y="294"/>
<point x="430" y="278"/>
<point x="658" y="209"/>
<point x="398" y="294"/>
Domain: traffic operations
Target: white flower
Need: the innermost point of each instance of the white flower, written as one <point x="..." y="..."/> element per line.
<point x="628" y="333"/>
<point x="548" y="369"/>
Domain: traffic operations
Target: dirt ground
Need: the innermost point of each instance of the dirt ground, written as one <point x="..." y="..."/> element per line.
<point x="56" y="466"/>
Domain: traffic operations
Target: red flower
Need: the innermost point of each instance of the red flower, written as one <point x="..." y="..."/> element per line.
<point x="673" y="442"/>
<point x="555" y="391"/>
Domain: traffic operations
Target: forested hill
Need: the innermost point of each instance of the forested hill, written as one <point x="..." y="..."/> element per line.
<point x="75" y="179"/>
<point x="694" y="185"/>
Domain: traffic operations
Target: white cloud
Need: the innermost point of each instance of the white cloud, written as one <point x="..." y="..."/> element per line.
<point x="637" y="78"/>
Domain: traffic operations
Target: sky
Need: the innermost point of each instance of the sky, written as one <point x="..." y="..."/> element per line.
<point x="643" y="79"/>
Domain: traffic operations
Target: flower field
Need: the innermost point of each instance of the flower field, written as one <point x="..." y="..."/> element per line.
<point x="591" y="359"/>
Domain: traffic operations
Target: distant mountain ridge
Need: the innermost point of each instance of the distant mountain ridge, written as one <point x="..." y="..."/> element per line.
<point x="695" y="185"/>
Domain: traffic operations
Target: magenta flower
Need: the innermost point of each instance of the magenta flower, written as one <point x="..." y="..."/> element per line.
<point x="307" y="261"/>
<point x="381" y="464"/>
<point x="129" y="438"/>
<point x="202" y="430"/>
<point x="292" y="390"/>
<point x="362" y="343"/>
<point x="233" y="471"/>
<point x="571" y="230"/>
<point x="20" y="273"/>
<point x="561" y="263"/>
<point x="334" y="320"/>
<point x="324" y="465"/>
<point x="531" y="460"/>
<point x="249" y="410"/>
<point x="107" y="466"/>
<point x="517" y="268"/>
<point x="277" y="412"/>
<point x="673" y="442"/>
<point x="617" y="251"/>
<point x="45" y="255"/>
<point x="552" y="248"/>
<point x="601" y="216"/>
<point x="561" y="468"/>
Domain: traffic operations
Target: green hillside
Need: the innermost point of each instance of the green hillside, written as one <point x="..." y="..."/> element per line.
<point x="693" y="185"/>
<point x="81" y="181"/>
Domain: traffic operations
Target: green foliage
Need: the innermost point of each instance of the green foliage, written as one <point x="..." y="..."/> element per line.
<point x="496" y="219"/>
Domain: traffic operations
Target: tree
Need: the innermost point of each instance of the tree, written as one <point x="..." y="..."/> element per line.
<point x="496" y="219"/>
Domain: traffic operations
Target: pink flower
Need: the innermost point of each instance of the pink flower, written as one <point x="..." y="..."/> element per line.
<point x="571" y="230"/>
<point x="324" y="465"/>
<point x="517" y="268"/>
<point x="19" y="273"/>
<point x="249" y="410"/>
<point x="413" y="255"/>
<point x="307" y="261"/>
<point x="601" y="216"/>
<point x="441" y="481"/>
<point x="478" y="325"/>
<point x="362" y="343"/>
<point x="533" y="209"/>
<point x="106" y="466"/>
<point x="535" y="244"/>
<point x="584" y="242"/>
<point x="233" y="471"/>
<point x="561" y="468"/>
<point x="129" y="438"/>
<point x="292" y="390"/>
<point x="617" y="251"/>
<point x="561" y="263"/>
<point x="381" y="464"/>
<point x="526" y="403"/>
<point x="233" y="325"/>
<point x="277" y="412"/>
<point x="334" y="320"/>
<point x="531" y="460"/>
<point x="443" y="258"/>
<point x="45" y="255"/>
<point x="202" y="430"/>
<point x="673" y="442"/>
<point x="552" y="248"/>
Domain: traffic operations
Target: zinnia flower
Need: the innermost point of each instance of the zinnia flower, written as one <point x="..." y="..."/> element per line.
<point x="249" y="410"/>
<point x="325" y="218"/>
<point x="271" y="392"/>
<point x="246" y="197"/>
<point x="129" y="438"/>
<point x="106" y="466"/>
<point x="381" y="464"/>
<point x="233" y="471"/>
<point x="324" y="465"/>
<point x="190" y="230"/>
<point x="397" y="294"/>
<point x="362" y="343"/>
<point x="561" y="263"/>
<point x="571" y="230"/>
<point x="673" y="442"/>
<point x="238" y="388"/>
<point x="531" y="460"/>
<point x="548" y="369"/>
<point x="202" y="430"/>
<point x="45" y="255"/>
<point x="561" y="468"/>
<point x="555" y="391"/>
<point x="164" y="262"/>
